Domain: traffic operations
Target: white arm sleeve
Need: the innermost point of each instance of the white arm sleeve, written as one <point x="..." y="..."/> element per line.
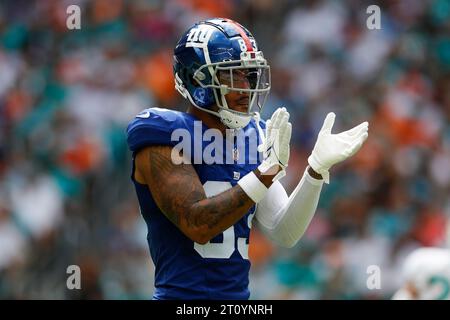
<point x="284" y="219"/>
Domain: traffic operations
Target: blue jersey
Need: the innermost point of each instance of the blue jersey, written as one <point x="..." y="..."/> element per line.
<point x="185" y="269"/>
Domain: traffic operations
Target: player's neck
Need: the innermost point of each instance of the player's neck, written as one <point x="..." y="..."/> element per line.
<point x="209" y="120"/>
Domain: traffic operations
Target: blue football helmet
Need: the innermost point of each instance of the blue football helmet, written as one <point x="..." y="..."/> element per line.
<point x="211" y="59"/>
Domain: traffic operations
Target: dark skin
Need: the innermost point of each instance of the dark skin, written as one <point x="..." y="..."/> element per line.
<point x="179" y="194"/>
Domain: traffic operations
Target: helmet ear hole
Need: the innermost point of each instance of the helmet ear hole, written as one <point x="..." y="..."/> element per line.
<point x="188" y="78"/>
<point x="192" y="81"/>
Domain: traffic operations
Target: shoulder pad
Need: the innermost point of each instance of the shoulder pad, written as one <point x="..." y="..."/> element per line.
<point x="154" y="126"/>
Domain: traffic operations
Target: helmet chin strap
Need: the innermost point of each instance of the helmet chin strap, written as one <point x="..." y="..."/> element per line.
<point x="232" y="120"/>
<point x="228" y="118"/>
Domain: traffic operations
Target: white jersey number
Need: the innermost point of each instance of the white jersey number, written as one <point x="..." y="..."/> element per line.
<point x="225" y="249"/>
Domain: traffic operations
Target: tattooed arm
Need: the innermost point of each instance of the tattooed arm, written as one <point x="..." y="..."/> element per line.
<point x="179" y="194"/>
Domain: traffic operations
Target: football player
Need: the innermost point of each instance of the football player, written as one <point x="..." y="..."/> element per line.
<point x="426" y="273"/>
<point x="199" y="213"/>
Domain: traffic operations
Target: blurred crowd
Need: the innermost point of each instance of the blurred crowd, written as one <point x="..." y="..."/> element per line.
<point x="66" y="97"/>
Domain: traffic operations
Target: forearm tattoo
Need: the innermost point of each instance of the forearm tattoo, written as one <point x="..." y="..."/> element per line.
<point x="180" y="195"/>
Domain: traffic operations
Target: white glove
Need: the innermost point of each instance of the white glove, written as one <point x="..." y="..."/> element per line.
<point x="275" y="145"/>
<point x="333" y="148"/>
